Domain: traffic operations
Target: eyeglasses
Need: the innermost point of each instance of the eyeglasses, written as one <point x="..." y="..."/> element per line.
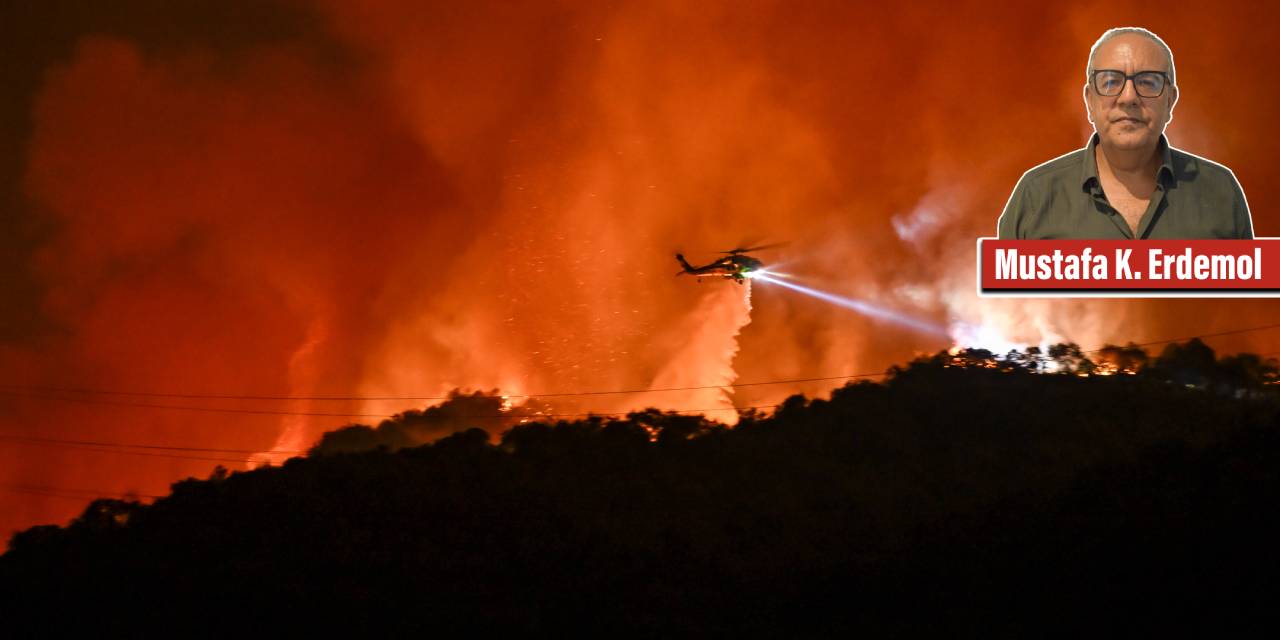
<point x="1148" y="84"/>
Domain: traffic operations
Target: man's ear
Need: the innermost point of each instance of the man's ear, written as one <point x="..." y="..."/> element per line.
<point x="1088" y="112"/>
<point x="1173" y="101"/>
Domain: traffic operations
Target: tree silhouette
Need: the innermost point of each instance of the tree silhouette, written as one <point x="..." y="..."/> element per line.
<point x="962" y="493"/>
<point x="1191" y="363"/>
<point x="461" y="411"/>
<point x="1068" y="358"/>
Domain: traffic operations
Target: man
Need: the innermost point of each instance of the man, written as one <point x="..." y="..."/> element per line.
<point x="1128" y="182"/>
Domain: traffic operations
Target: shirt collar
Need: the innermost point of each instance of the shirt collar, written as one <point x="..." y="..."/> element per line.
<point x="1089" y="176"/>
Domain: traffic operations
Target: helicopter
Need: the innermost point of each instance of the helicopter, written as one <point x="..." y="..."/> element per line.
<point x="736" y="264"/>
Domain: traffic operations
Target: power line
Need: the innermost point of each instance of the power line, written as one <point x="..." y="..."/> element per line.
<point x="145" y="405"/>
<point x="182" y="407"/>
<point x="50" y="494"/>
<point x="214" y="396"/>
<point x="95" y="446"/>
<point x="86" y="445"/>
<point x="94" y="443"/>
<point x="64" y="491"/>
<point x="125" y="448"/>
<point x="352" y="398"/>
<point x="1202" y="335"/>
<point x="27" y="392"/>
<point x="145" y="454"/>
<point x="175" y="407"/>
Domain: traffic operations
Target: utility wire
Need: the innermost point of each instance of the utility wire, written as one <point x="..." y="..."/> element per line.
<point x="10" y="389"/>
<point x="206" y="396"/>
<point x="1184" y="339"/>
<point x="62" y="492"/>
<point x="94" y="443"/>
<point x="125" y="448"/>
<point x="119" y="448"/>
<point x="94" y="446"/>
<point x="86" y="445"/>
<point x="127" y="452"/>
<point x="146" y="405"/>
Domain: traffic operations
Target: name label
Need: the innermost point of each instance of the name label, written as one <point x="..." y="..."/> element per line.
<point x="1128" y="265"/>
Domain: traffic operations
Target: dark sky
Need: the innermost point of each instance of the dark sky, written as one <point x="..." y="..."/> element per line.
<point x="401" y="198"/>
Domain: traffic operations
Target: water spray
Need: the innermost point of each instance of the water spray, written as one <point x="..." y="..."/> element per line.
<point x="860" y="306"/>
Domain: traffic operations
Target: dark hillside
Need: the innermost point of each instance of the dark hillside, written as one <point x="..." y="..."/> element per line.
<point x="965" y="492"/>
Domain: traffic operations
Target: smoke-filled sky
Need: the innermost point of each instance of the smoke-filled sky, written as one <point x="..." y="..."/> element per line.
<point x="401" y="198"/>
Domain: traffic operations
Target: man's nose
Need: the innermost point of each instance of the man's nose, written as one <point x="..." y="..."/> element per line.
<point x="1129" y="93"/>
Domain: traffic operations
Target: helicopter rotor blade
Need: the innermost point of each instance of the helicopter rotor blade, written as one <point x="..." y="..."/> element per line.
<point x="758" y="248"/>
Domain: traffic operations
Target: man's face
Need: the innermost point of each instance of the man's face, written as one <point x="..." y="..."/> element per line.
<point x="1128" y="120"/>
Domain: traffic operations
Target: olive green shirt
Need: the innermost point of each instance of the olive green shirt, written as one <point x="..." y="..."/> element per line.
<point x="1195" y="199"/>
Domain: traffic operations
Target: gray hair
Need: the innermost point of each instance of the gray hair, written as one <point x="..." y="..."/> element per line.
<point x="1119" y="31"/>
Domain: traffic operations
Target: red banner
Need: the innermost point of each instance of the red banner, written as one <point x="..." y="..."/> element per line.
<point x="1200" y="266"/>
